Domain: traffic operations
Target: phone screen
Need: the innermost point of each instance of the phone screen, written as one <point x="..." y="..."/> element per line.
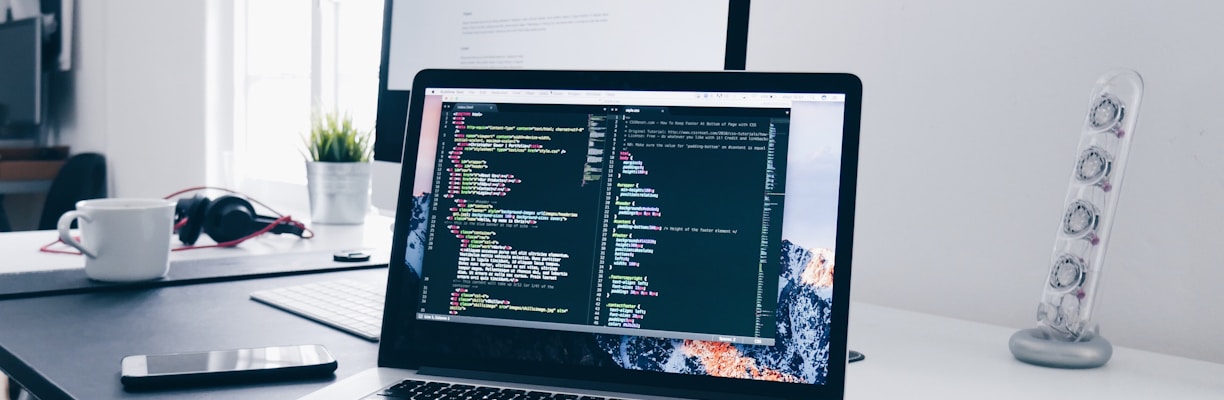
<point x="235" y="360"/>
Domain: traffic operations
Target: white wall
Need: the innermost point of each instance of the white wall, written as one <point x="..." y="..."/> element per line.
<point x="139" y="79"/>
<point x="971" y="118"/>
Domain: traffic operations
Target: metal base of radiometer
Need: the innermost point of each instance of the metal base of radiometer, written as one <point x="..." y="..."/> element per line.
<point x="1035" y="347"/>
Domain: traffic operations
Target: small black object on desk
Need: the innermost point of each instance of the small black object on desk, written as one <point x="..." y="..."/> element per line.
<point x="226" y="367"/>
<point x="351" y="256"/>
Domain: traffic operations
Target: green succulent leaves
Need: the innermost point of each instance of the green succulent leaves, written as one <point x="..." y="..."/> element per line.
<point x="334" y="139"/>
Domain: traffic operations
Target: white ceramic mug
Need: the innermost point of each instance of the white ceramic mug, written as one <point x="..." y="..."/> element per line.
<point x="122" y="239"/>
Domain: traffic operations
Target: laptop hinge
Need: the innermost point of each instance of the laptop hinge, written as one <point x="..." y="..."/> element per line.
<point x="581" y="384"/>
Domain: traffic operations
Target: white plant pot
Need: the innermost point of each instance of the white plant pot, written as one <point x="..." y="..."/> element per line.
<point x="339" y="191"/>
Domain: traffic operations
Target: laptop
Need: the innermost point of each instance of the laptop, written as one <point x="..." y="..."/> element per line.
<point x="598" y="234"/>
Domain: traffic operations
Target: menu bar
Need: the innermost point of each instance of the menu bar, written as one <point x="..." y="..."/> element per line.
<point x="662" y="98"/>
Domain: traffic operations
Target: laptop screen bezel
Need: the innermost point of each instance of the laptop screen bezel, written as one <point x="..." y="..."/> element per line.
<point x="399" y="327"/>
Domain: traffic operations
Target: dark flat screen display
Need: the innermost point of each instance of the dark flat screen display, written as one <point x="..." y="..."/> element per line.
<point x="673" y="230"/>
<point x="20" y="50"/>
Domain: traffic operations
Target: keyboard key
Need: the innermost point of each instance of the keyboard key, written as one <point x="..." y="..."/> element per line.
<point x="416" y="389"/>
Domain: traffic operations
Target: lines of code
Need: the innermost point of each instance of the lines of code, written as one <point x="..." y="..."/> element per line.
<point x="685" y="199"/>
<point x="463" y="299"/>
<point x="626" y="315"/>
<point x="606" y="217"/>
<point x="511" y="180"/>
<point x="504" y="265"/>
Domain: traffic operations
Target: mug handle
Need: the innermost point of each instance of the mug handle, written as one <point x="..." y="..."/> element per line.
<point x="65" y="224"/>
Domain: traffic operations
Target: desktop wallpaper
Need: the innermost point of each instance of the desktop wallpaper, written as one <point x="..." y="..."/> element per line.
<point x="800" y="353"/>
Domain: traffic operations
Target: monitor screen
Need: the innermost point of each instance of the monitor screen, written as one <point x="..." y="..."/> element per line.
<point x="20" y="73"/>
<point x="578" y="211"/>
<point x="556" y="34"/>
<point x="551" y="34"/>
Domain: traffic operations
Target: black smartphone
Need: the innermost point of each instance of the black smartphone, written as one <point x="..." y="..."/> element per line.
<point x="220" y="367"/>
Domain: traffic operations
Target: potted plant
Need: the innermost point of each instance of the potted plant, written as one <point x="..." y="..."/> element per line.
<point x="337" y="170"/>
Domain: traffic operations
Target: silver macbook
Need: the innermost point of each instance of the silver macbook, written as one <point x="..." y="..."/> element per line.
<point x="581" y="234"/>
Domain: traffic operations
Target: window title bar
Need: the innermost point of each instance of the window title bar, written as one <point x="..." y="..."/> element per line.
<point x="661" y="98"/>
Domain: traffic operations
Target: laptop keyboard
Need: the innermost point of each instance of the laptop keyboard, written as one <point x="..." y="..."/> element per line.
<point x="343" y="304"/>
<point x="414" y="389"/>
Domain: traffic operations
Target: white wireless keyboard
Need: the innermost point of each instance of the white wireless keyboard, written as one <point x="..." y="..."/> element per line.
<point x="344" y="304"/>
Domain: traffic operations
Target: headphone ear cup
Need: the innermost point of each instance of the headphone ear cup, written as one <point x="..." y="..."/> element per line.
<point x="192" y="210"/>
<point x="229" y="218"/>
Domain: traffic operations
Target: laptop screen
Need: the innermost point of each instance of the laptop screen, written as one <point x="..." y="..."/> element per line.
<point x="686" y="232"/>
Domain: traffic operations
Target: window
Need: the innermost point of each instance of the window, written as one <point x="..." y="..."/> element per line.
<point x="292" y="56"/>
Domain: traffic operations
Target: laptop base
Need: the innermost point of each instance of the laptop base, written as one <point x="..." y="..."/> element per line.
<point x="358" y="386"/>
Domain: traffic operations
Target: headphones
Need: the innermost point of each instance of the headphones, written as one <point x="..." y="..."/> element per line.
<point x="227" y="219"/>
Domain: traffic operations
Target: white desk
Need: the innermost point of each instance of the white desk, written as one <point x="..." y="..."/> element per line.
<point x="19" y="250"/>
<point x="914" y="355"/>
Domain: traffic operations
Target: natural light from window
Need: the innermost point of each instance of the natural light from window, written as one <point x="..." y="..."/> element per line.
<point x="291" y="55"/>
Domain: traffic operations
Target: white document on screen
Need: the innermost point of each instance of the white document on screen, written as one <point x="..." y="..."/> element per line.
<point x="556" y="34"/>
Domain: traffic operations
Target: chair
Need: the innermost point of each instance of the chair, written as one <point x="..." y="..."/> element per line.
<point x="82" y="177"/>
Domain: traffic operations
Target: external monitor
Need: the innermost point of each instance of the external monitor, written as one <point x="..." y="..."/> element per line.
<point x="551" y="34"/>
<point x="20" y="76"/>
